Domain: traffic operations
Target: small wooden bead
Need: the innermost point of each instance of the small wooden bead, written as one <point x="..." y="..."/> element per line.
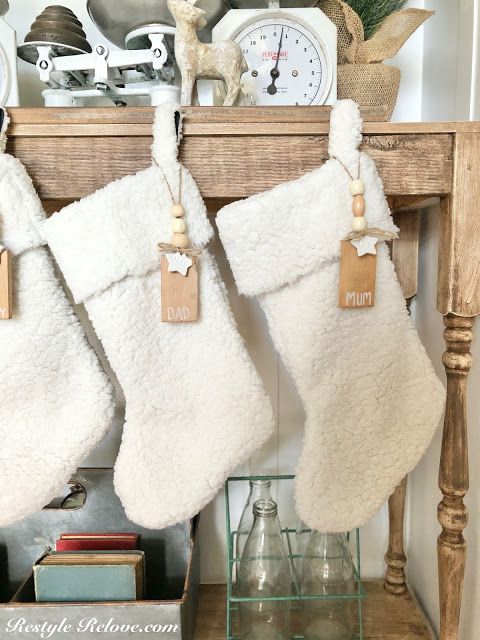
<point x="177" y="211"/>
<point x="179" y="225"/>
<point x="359" y="224"/>
<point x="181" y="240"/>
<point x="358" y="206"/>
<point x="357" y="187"/>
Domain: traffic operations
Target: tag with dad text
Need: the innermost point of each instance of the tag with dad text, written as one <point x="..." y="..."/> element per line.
<point x="179" y="293"/>
<point x="357" y="278"/>
<point x="5" y="285"/>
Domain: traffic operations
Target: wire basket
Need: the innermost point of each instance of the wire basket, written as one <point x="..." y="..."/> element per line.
<point x="296" y="599"/>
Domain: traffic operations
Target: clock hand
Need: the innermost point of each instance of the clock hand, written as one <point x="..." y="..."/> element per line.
<point x="272" y="89"/>
<point x="274" y="72"/>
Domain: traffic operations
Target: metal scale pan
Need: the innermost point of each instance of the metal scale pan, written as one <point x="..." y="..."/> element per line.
<point x="117" y="20"/>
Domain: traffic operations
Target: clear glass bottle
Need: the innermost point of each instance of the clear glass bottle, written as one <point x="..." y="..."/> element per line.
<point x="264" y="571"/>
<point x="328" y="570"/>
<point x="259" y="490"/>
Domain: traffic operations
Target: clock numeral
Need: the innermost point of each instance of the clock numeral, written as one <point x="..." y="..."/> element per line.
<point x="296" y="41"/>
<point x="253" y="43"/>
<point x="264" y="37"/>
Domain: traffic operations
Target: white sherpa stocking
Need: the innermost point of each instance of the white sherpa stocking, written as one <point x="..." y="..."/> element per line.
<point x="195" y="406"/>
<point x="371" y="396"/>
<point x="55" y="400"/>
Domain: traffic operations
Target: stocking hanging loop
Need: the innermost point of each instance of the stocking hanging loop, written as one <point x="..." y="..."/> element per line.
<point x="345" y="134"/>
<point x="4" y="122"/>
<point x="167" y="133"/>
<point x="177" y="117"/>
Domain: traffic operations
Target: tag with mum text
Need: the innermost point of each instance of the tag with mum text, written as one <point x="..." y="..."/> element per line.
<point x="357" y="278"/>
<point x="179" y="293"/>
<point x="5" y="285"/>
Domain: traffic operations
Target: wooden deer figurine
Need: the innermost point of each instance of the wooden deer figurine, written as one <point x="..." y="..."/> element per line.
<point x="195" y="59"/>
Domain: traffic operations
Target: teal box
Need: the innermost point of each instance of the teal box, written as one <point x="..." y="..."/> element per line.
<point x="83" y="583"/>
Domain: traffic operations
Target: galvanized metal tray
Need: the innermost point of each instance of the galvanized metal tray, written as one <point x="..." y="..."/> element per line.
<point x="172" y="571"/>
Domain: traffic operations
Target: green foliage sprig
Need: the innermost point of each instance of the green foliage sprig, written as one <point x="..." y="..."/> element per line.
<point x="373" y="12"/>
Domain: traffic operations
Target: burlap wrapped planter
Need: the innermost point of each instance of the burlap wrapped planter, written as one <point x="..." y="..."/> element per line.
<point x="372" y="84"/>
<point x="362" y="75"/>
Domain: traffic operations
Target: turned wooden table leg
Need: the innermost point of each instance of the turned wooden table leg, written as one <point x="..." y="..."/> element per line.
<point x="395" y="556"/>
<point x="458" y="300"/>
<point x="405" y="258"/>
<point x="453" y="476"/>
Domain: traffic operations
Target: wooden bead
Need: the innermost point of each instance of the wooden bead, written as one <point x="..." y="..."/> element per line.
<point x="357" y="187"/>
<point x="359" y="224"/>
<point x="358" y="206"/>
<point x="181" y="240"/>
<point x="179" y="225"/>
<point x="177" y="211"/>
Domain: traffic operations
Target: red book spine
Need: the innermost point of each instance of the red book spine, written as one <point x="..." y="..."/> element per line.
<point x="102" y="544"/>
<point x="98" y="536"/>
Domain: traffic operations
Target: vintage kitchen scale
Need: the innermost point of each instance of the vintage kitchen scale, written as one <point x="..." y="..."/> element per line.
<point x="140" y="65"/>
<point x="290" y="49"/>
<point x="65" y="62"/>
<point x="291" y="52"/>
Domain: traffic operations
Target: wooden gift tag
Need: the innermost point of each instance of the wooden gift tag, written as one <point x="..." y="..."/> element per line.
<point x="179" y="294"/>
<point x="5" y="285"/>
<point x="357" y="278"/>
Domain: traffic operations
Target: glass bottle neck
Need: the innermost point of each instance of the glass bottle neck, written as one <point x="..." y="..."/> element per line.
<point x="265" y="518"/>
<point x="260" y="490"/>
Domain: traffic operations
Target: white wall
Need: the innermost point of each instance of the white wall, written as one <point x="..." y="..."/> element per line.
<point x="449" y="93"/>
<point x="281" y="453"/>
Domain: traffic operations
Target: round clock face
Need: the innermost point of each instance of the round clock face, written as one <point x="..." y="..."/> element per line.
<point x="287" y="64"/>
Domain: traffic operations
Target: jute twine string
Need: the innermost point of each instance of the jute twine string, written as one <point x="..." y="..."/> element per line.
<point x="179" y="198"/>
<point x="374" y="232"/>
<point x="347" y="169"/>
<point x="166" y="247"/>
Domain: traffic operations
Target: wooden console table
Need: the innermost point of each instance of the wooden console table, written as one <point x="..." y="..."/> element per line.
<point x="233" y="153"/>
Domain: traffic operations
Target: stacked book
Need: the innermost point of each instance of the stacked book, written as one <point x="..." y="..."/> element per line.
<point x="97" y="542"/>
<point x="91" y="568"/>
